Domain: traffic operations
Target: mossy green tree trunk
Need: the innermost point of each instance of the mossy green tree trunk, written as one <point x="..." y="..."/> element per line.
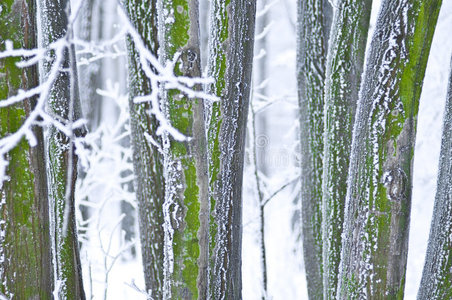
<point x="147" y="160"/>
<point x="378" y="202"/>
<point x="343" y="77"/>
<point x="26" y="270"/>
<point x="64" y="106"/>
<point x="312" y="37"/>
<point x="230" y="65"/>
<point x="436" y="280"/>
<point x="185" y="207"/>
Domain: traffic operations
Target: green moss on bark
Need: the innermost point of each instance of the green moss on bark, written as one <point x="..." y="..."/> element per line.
<point x="343" y="77"/>
<point x="61" y="160"/>
<point x="379" y="196"/>
<point x="187" y="183"/>
<point x="26" y="268"/>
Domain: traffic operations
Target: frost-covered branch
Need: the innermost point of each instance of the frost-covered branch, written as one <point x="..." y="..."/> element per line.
<point x="156" y="73"/>
<point x="39" y="112"/>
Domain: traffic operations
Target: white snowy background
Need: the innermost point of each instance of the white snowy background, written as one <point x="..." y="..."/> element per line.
<point x="111" y="272"/>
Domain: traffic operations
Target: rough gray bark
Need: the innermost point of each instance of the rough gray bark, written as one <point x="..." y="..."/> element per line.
<point x="26" y="270"/>
<point x="63" y="105"/>
<point x="343" y="77"/>
<point x="378" y="201"/>
<point x="312" y="36"/>
<point x="147" y="161"/>
<point x="230" y="64"/>
<point x="436" y="280"/>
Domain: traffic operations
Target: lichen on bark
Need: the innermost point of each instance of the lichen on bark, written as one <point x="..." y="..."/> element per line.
<point x="312" y="37"/>
<point x="63" y="104"/>
<point x="147" y="160"/>
<point x="378" y="201"/>
<point x="26" y="270"/>
<point x="343" y="77"/>
<point x="230" y="64"/>
<point x="186" y="188"/>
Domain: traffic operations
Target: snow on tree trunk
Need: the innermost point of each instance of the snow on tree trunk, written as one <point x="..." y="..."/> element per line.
<point x="26" y="270"/>
<point x="186" y="207"/>
<point x="436" y="280"/>
<point x="230" y="65"/>
<point x="216" y="68"/>
<point x="64" y="106"/>
<point x="378" y="201"/>
<point x="147" y="160"/>
<point x="312" y="35"/>
<point x="343" y="77"/>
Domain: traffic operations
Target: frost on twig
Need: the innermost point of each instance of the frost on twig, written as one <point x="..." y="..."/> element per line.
<point x="40" y="115"/>
<point x="156" y="73"/>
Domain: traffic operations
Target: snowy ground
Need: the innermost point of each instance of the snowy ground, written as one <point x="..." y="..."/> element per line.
<point x="285" y="263"/>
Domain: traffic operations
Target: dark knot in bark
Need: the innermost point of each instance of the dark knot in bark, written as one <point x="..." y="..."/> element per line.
<point x="189" y="65"/>
<point x="395" y="181"/>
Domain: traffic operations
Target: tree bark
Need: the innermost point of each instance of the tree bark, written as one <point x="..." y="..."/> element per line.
<point x="64" y="106"/>
<point x="343" y="77"/>
<point x="378" y="201"/>
<point x="147" y="161"/>
<point x="436" y="280"/>
<point x="186" y="207"/>
<point x="26" y="270"/>
<point x="312" y="34"/>
<point x="230" y="64"/>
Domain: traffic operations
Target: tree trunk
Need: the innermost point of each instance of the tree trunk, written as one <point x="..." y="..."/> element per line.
<point x="89" y="24"/>
<point x="230" y="64"/>
<point x="343" y="78"/>
<point x="375" y="244"/>
<point x="257" y="135"/>
<point x="147" y="161"/>
<point x="311" y="56"/>
<point x="26" y="270"/>
<point x="186" y="207"/>
<point x="436" y="280"/>
<point x="64" y="106"/>
<point x="260" y="75"/>
<point x="90" y="79"/>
